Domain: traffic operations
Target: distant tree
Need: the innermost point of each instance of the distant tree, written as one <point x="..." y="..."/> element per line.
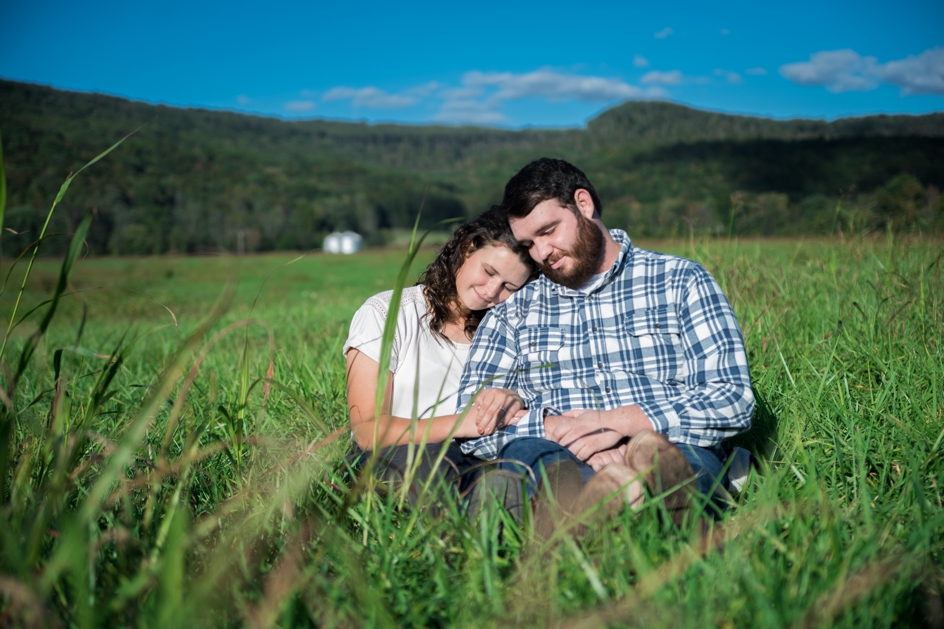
<point x="193" y="180"/>
<point x="902" y="203"/>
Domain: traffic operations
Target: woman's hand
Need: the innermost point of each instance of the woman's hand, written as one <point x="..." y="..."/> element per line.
<point x="495" y="408"/>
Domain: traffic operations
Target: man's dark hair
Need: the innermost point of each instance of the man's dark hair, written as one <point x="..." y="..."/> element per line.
<point x="545" y="179"/>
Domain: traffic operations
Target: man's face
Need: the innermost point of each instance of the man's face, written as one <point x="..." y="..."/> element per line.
<point x="567" y="246"/>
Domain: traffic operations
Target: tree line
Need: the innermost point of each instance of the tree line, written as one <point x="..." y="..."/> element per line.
<point x="192" y="180"/>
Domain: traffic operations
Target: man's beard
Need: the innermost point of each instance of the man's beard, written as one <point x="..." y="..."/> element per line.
<point x="586" y="256"/>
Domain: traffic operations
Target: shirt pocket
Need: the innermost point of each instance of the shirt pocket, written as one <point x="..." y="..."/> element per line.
<point x="655" y="344"/>
<point x="541" y="354"/>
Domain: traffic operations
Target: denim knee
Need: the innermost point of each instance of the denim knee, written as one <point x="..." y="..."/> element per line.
<point x="527" y="455"/>
<point x="711" y="479"/>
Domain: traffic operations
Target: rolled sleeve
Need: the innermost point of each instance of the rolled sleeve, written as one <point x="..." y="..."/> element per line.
<point x="531" y="425"/>
<point x="717" y="401"/>
<point x="492" y="363"/>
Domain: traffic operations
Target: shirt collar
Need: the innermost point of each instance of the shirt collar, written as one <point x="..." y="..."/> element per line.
<point x="624" y="258"/>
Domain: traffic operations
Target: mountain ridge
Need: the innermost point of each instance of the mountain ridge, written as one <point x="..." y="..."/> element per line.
<point x="194" y="178"/>
<point x="696" y="123"/>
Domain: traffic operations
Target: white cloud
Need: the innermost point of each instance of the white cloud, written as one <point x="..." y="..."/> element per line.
<point x="725" y="31"/>
<point x="839" y="70"/>
<point x="300" y="106"/>
<point x="242" y="99"/>
<point x="553" y="85"/>
<point x="371" y="97"/>
<point x="845" y="70"/>
<point x="915" y="74"/>
<point x="733" y="78"/>
<point x="655" y="77"/>
<point x="462" y="93"/>
<point x="470" y="112"/>
<point x="755" y="71"/>
<point x="423" y="91"/>
<point x="481" y="96"/>
<point x="640" y="62"/>
<point x="665" y="32"/>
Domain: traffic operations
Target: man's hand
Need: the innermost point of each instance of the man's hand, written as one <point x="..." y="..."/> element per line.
<point x="583" y="432"/>
<point x="496" y="408"/>
<point x="601" y="459"/>
<point x="551" y="424"/>
<point x="586" y="432"/>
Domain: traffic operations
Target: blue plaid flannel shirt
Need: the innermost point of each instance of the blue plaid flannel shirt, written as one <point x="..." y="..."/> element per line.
<point x="657" y="332"/>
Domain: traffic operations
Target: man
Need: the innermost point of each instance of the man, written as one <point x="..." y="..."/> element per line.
<point x="625" y="357"/>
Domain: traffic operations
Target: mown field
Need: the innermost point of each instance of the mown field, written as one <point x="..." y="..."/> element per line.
<point x="177" y="445"/>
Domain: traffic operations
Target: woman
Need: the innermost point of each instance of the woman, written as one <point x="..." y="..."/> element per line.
<point x="481" y="266"/>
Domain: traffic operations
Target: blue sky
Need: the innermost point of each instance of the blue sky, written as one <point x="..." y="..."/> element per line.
<point x="497" y="63"/>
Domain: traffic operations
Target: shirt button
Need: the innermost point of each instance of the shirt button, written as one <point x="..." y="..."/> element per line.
<point x="594" y="329"/>
<point x="600" y="365"/>
<point x="608" y="389"/>
<point x="658" y="326"/>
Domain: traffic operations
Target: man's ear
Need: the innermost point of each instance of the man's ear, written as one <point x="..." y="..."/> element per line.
<point x="584" y="203"/>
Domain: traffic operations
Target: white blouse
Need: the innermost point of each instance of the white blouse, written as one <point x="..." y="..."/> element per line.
<point x="426" y="368"/>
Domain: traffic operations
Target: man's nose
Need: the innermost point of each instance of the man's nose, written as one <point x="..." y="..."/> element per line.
<point x="540" y="251"/>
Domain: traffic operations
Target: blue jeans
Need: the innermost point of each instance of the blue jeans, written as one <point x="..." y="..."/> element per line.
<point x="526" y="454"/>
<point x="456" y="472"/>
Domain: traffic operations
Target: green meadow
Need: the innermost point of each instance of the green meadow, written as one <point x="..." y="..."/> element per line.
<point x="174" y="455"/>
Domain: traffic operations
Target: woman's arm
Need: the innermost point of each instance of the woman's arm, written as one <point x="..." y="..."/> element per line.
<point x="362" y="374"/>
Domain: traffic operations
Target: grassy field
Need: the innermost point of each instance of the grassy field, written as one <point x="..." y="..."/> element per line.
<point x="177" y="443"/>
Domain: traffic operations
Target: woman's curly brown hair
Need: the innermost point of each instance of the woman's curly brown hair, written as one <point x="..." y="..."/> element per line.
<point x="439" y="278"/>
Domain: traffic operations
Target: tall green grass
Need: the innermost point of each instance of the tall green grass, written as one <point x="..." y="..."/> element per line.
<point x="131" y="498"/>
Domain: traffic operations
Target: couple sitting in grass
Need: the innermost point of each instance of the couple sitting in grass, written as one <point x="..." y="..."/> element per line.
<point x="615" y="372"/>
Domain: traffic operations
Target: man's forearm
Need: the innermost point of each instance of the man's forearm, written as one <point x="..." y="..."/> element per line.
<point x="629" y="421"/>
<point x="704" y="415"/>
<point x="587" y="432"/>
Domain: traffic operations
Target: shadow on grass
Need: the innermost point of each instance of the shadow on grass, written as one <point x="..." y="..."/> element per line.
<point x="761" y="439"/>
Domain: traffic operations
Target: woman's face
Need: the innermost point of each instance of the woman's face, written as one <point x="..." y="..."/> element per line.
<point x="489" y="276"/>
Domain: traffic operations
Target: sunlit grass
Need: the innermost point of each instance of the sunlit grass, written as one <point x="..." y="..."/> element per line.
<point x="843" y="527"/>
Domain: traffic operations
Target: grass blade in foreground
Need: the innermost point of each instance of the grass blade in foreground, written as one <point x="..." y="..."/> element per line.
<point x="845" y="527"/>
<point x="42" y="233"/>
<point x="3" y="194"/>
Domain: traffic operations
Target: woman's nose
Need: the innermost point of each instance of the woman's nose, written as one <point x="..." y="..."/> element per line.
<point x="494" y="288"/>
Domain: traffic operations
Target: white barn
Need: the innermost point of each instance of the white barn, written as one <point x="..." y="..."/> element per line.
<point x="342" y="242"/>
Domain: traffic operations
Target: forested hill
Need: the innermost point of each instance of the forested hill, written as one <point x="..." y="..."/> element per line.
<point x="192" y="179"/>
<point x="654" y="122"/>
